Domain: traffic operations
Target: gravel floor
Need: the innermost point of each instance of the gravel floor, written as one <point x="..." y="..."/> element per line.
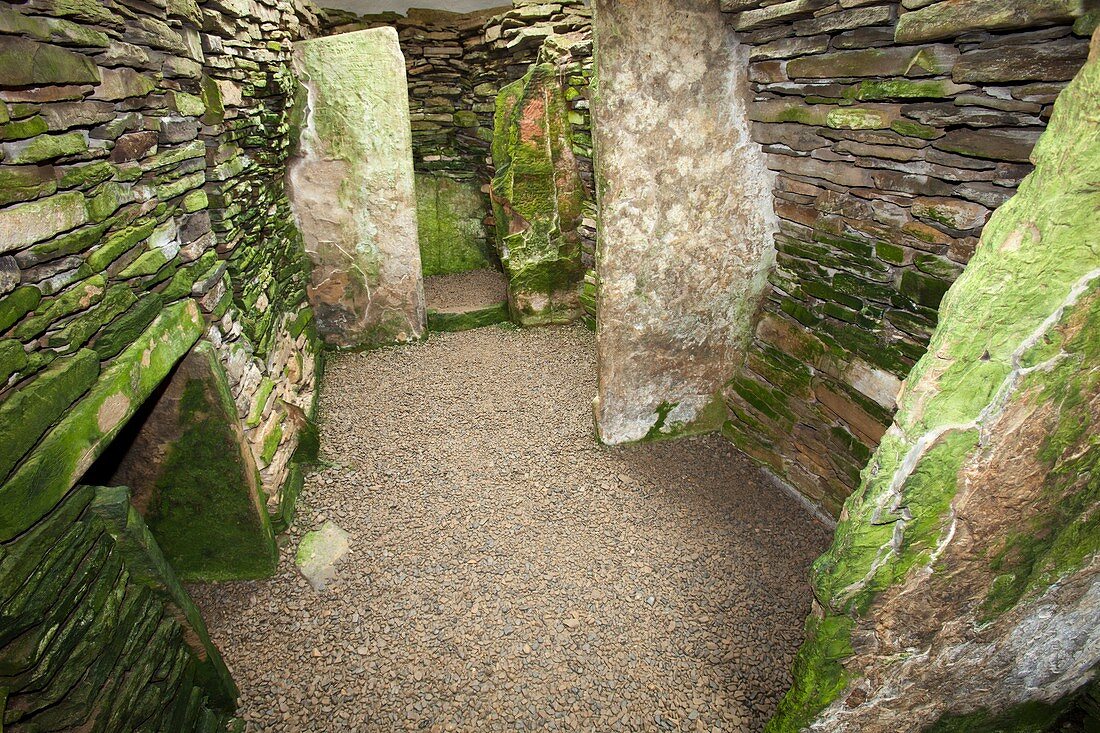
<point x="465" y="291"/>
<point x="506" y="573"/>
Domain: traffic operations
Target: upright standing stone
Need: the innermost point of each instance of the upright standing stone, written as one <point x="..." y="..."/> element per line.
<point x="353" y="192"/>
<point x="685" y="215"/>
<point x="194" y="478"/>
<point x="537" y="199"/>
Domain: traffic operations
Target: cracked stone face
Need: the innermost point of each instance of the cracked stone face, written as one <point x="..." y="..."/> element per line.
<point x="685" y="209"/>
<point x="353" y="191"/>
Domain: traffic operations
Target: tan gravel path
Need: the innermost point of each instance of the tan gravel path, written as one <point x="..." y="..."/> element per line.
<point x="508" y="574"/>
<point x="465" y="291"/>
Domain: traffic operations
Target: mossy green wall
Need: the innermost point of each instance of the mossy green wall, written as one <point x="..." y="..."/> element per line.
<point x="95" y="631"/>
<point x="451" y="222"/>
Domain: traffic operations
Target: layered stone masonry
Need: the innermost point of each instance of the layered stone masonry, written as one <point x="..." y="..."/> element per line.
<point x="894" y="130"/>
<point x="265" y="331"/>
<point x="962" y="588"/>
<point x="142" y="208"/>
<point x="97" y="634"/>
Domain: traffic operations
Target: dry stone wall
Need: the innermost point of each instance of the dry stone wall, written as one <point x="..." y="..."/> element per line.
<point x="894" y="129"/>
<point x="134" y="652"/>
<point x="962" y="588"/>
<point x="142" y="211"/>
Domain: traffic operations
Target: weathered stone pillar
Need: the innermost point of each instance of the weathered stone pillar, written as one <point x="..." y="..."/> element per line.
<point x="353" y="192"/>
<point x="962" y="589"/>
<point x="537" y="199"/>
<point x="685" y="215"/>
<point x="194" y="478"/>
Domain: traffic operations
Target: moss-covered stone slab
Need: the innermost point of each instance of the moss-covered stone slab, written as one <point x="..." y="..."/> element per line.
<point x="681" y="190"/>
<point x="538" y="197"/>
<point x="952" y="18"/>
<point x="72" y="445"/>
<point x="146" y="565"/>
<point x="353" y="191"/>
<point x="25" y="224"/>
<point x="29" y="412"/>
<point x="194" y="478"/>
<point x="964" y="571"/>
<point x="451" y="220"/>
<point x="24" y="62"/>
<point x="465" y="320"/>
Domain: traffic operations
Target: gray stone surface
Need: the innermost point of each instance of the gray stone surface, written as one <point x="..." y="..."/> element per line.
<point x="686" y="216"/>
<point x="320" y="552"/>
<point x="353" y="191"/>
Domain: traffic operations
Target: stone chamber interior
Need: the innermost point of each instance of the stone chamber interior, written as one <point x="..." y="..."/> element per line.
<point x="703" y="365"/>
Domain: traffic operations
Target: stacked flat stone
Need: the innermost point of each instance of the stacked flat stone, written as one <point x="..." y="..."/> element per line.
<point x="263" y="326"/>
<point x="141" y="211"/>
<point x="894" y="129"/>
<point x="120" y="640"/>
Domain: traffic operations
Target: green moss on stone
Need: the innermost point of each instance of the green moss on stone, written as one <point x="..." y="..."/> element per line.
<point x="85" y="176"/>
<point x="17" y="304"/>
<point x="207" y="513"/>
<point x="124" y="330"/>
<point x="12" y="359"/>
<point x="853" y="118"/>
<point x="910" y="128"/>
<point x="709" y="419"/>
<point x="818" y="671"/>
<point x="26" y="63"/>
<point x="538" y="199"/>
<point x="450" y="218"/>
<point x="69" y="449"/>
<point x="465" y="321"/>
<point x="48" y="147"/>
<point x="27" y="413"/>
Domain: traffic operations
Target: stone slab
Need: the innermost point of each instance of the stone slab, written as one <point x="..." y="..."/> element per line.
<point x="194" y="478"/>
<point x="320" y="552"/>
<point x="353" y="191"/>
<point x="451" y="221"/>
<point x="538" y="199"/>
<point x="686" y="217"/>
<point x="70" y="448"/>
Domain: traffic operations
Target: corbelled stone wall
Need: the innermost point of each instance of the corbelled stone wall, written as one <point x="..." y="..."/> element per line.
<point x="97" y="634"/>
<point x="962" y="588"/>
<point x="894" y="129"/>
<point x="142" y="212"/>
